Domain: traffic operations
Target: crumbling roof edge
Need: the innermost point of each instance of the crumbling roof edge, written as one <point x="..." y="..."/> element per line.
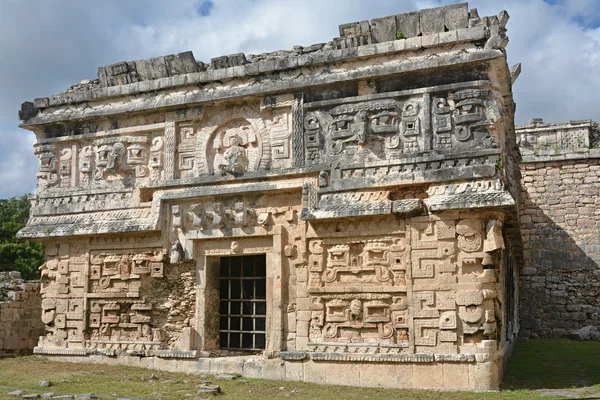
<point x="413" y="31"/>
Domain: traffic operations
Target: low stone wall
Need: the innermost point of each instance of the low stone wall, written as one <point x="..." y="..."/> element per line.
<point x="560" y="221"/>
<point x="20" y="313"/>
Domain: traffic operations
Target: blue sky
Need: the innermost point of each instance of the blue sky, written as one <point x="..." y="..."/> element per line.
<point x="49" y="45"/>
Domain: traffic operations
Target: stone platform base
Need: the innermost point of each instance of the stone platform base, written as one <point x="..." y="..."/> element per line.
<point x="426" y="371"/>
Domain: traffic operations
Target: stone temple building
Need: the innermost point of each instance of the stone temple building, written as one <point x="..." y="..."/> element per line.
<point x="343" y="213"/>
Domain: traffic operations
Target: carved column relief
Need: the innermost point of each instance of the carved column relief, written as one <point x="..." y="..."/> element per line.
<point x="63" y="293"/>
<point x="298" y="131"/>
<point x="186" y="146"/>
<point x="170" y="148"/>
<point x="278" y="115"/>
<point x="454" y="282"/>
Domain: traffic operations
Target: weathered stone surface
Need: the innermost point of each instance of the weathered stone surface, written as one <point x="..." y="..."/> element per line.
<point x="408" y="24"/>
<point x="20" y="312"/>
<point x="368" y="183"/>
<point x="209" y="389"/>
<point x="432" y="20"/>
<point x="559" y="225"/>
<point x="584" y="333"/>
<point x="384" y="29"/>
<point x="456" y="16"/>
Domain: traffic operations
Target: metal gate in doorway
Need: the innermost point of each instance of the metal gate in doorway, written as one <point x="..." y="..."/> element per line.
<point x="243" y="303"/>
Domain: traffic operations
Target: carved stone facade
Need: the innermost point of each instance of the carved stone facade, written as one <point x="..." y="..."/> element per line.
<point x="346" y="210"/>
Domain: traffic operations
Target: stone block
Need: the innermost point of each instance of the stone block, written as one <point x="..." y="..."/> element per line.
<point x="342" y="373"/>
<point x="379" y="375"/>
<point x="456" y="16"/>
<point x="432" y="20"/>
<point x="413" y="43"/>
<point x="404" y="375"/>
<point x="182" y="63"/>
<point x="254" y="368"/>
<point x="383" y="29"/>
<point x="14" y="275"/>
<point x="274" y="368"/>
<point x="430" y="40"/>
<point x="483" y="376"/>
<point x="315" y="372"/>
<point x="408" y="24"/>
<point x="152" y="68"/>
<point x="294" y="370"/>
<point x="428" y="376"/>
<point x="471" y="34"/>
<point x="229" y="365"/>
<point x="456" y="376"/>
<point x="448" y="37"/>
<point x="203" y="365"/>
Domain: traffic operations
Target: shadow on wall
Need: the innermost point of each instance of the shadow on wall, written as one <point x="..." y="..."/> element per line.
<point x="560" y="281"/>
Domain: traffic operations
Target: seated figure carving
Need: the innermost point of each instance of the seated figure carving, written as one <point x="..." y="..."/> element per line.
<point x="236" y="158"/>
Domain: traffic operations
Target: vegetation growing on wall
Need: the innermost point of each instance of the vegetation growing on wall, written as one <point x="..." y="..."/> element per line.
<point x="16" y="254"/>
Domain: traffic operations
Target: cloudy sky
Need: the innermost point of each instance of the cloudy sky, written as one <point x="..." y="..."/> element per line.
<point x="47" y="46"/>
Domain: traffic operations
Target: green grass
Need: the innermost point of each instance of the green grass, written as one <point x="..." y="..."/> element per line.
<point x="554" y="364"/>
<point x="536" y="366"/>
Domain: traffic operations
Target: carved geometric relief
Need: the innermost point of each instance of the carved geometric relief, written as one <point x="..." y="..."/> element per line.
<point x="462" y="120"/>
<point x="280" y="136"/>
<point x="448" y="320"/>
<point x="442" y="121"/>
<point x="423" y="235"/>
<point x="445" y="300"/>
<point x="312" y="138"/>
<point x="120" y="271"/>
<point x="424" y="263"/>
<point x="476" y="310"/>
<point x="48" y="163"/>
<point x="125" y="319"/>
<point x="424" y="305"/>
<point x="361" y="262"/>
<point x="426" y="331"/>
<point x="447" y="336"/>
<point x="445" y="229"/>
<point x="359" y="317"/>
<point x="113" y="315"/>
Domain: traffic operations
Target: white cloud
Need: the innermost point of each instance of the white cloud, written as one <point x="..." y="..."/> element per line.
<point x="47" y="46"/>
<point x="18" y="165"/>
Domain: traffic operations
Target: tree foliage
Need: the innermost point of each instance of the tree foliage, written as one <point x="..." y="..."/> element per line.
<point x="16" y="254"/>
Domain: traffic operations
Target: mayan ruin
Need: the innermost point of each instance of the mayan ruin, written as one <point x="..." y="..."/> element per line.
<point x="359" y="212"/>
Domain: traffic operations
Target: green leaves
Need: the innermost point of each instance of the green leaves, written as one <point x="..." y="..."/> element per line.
<point x="15" y="254"/>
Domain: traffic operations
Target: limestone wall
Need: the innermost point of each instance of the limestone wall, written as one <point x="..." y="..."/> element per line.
<point x="560" y="221"/>
<point x="20" y="313"/>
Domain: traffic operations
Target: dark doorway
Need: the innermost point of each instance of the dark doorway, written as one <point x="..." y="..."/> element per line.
<point x="243" y="303"/>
